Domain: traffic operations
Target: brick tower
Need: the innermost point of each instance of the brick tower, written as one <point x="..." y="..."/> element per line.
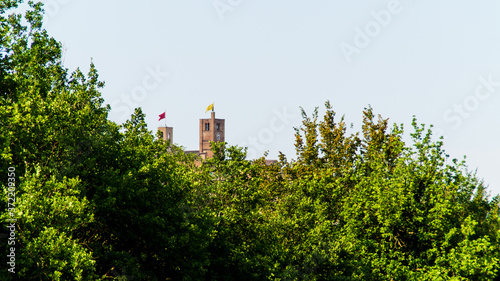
<point x="211" y="130"/>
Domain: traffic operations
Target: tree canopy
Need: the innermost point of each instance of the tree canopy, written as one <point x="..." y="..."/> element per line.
<point x="96" y="200"/>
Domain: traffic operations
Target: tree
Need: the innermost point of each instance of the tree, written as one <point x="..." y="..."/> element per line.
<point x="377" y="208"/>
<point x="351" y="207"/>
<point x="93" y="202"/>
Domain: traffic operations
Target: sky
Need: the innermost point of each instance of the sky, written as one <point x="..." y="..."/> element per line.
<point x="260" y="61"/>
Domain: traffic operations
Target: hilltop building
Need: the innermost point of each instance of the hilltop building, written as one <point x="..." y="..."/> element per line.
<point x="211" y="129"/>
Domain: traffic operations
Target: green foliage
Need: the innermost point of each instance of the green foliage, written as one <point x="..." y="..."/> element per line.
<point x="350" y="207"/>
<point x="51" y="215"/>
<point x="55" y="256"/>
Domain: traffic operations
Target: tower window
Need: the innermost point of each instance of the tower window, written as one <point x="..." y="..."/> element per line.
<point x="207" y="126"/>
<point x="169" y="136"/>
<point x="218" y="126"/>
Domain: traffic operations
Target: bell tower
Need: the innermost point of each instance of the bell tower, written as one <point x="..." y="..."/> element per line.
<point x="211" y="130"/>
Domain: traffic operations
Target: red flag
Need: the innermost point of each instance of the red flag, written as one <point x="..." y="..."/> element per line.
<point x="162" y="116"/>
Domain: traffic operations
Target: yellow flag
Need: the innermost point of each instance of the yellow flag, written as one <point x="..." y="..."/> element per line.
<point x="210" y="107"/>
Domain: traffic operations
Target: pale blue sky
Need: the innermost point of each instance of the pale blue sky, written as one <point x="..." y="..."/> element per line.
<point x="258" y="61"/>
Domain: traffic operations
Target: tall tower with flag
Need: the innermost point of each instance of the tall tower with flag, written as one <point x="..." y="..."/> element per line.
<point x="210" y="130"/>
<point x="167" y="132"/>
